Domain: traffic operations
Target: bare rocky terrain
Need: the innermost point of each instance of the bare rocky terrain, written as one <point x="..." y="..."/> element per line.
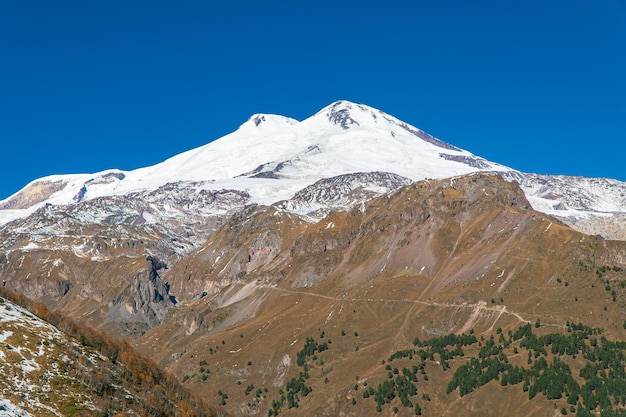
<point x="236" y="318"/>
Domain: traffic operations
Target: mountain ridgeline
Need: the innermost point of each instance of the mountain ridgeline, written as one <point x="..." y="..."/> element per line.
<point x="349" y="264"/>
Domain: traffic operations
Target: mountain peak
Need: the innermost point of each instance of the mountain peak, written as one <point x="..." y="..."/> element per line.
<point x="268" y="122"/>
<point x="347" y="114"/>
<point x="339" y="105"/>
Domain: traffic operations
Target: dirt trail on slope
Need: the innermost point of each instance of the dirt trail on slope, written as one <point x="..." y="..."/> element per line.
<point x="479" y="310"/>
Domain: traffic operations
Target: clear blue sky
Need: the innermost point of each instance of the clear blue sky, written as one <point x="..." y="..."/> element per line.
<point x="538" y="85"/>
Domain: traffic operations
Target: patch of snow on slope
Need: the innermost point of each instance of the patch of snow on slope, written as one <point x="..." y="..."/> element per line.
<point x="7" y="409"/>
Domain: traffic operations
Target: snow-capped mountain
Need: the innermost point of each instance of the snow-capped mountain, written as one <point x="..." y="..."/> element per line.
<point x="272" y="159"/>
<point x="246" y="240"/>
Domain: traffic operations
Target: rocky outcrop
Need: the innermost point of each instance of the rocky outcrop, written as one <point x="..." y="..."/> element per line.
<point x="103" y="279"/>
<point x="341" y="192"/>
<point x="145" y="299"/>
<point x="33" y="194"/>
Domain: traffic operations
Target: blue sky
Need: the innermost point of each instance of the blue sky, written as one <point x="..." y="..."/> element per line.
<point x="85" y="86"/>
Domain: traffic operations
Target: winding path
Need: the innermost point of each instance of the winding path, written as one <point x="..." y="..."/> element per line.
<point x="477" y="308"/>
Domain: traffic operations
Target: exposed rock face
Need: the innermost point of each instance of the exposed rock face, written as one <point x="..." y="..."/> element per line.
<point x="339" y="114"/>
<point x="181" y="215"/>
<point x="468" y="160"/>
<point x="610" y="227"/>
<point x="341" y="192"/>
<point x="589" y="205"/>
<point x="103" y="277"/>
<point x="35" y="193"/>
<point x="253" y="241"/>
<point x="145" y="300"/>
<point x="42" y="288"/>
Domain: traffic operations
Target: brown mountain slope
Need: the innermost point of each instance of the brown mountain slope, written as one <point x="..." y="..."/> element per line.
<point x="77" y="371"/>
<point x="436" y="257"/>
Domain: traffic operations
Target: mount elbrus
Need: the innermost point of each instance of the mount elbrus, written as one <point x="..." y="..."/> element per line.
<point x="281" y="268"/>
